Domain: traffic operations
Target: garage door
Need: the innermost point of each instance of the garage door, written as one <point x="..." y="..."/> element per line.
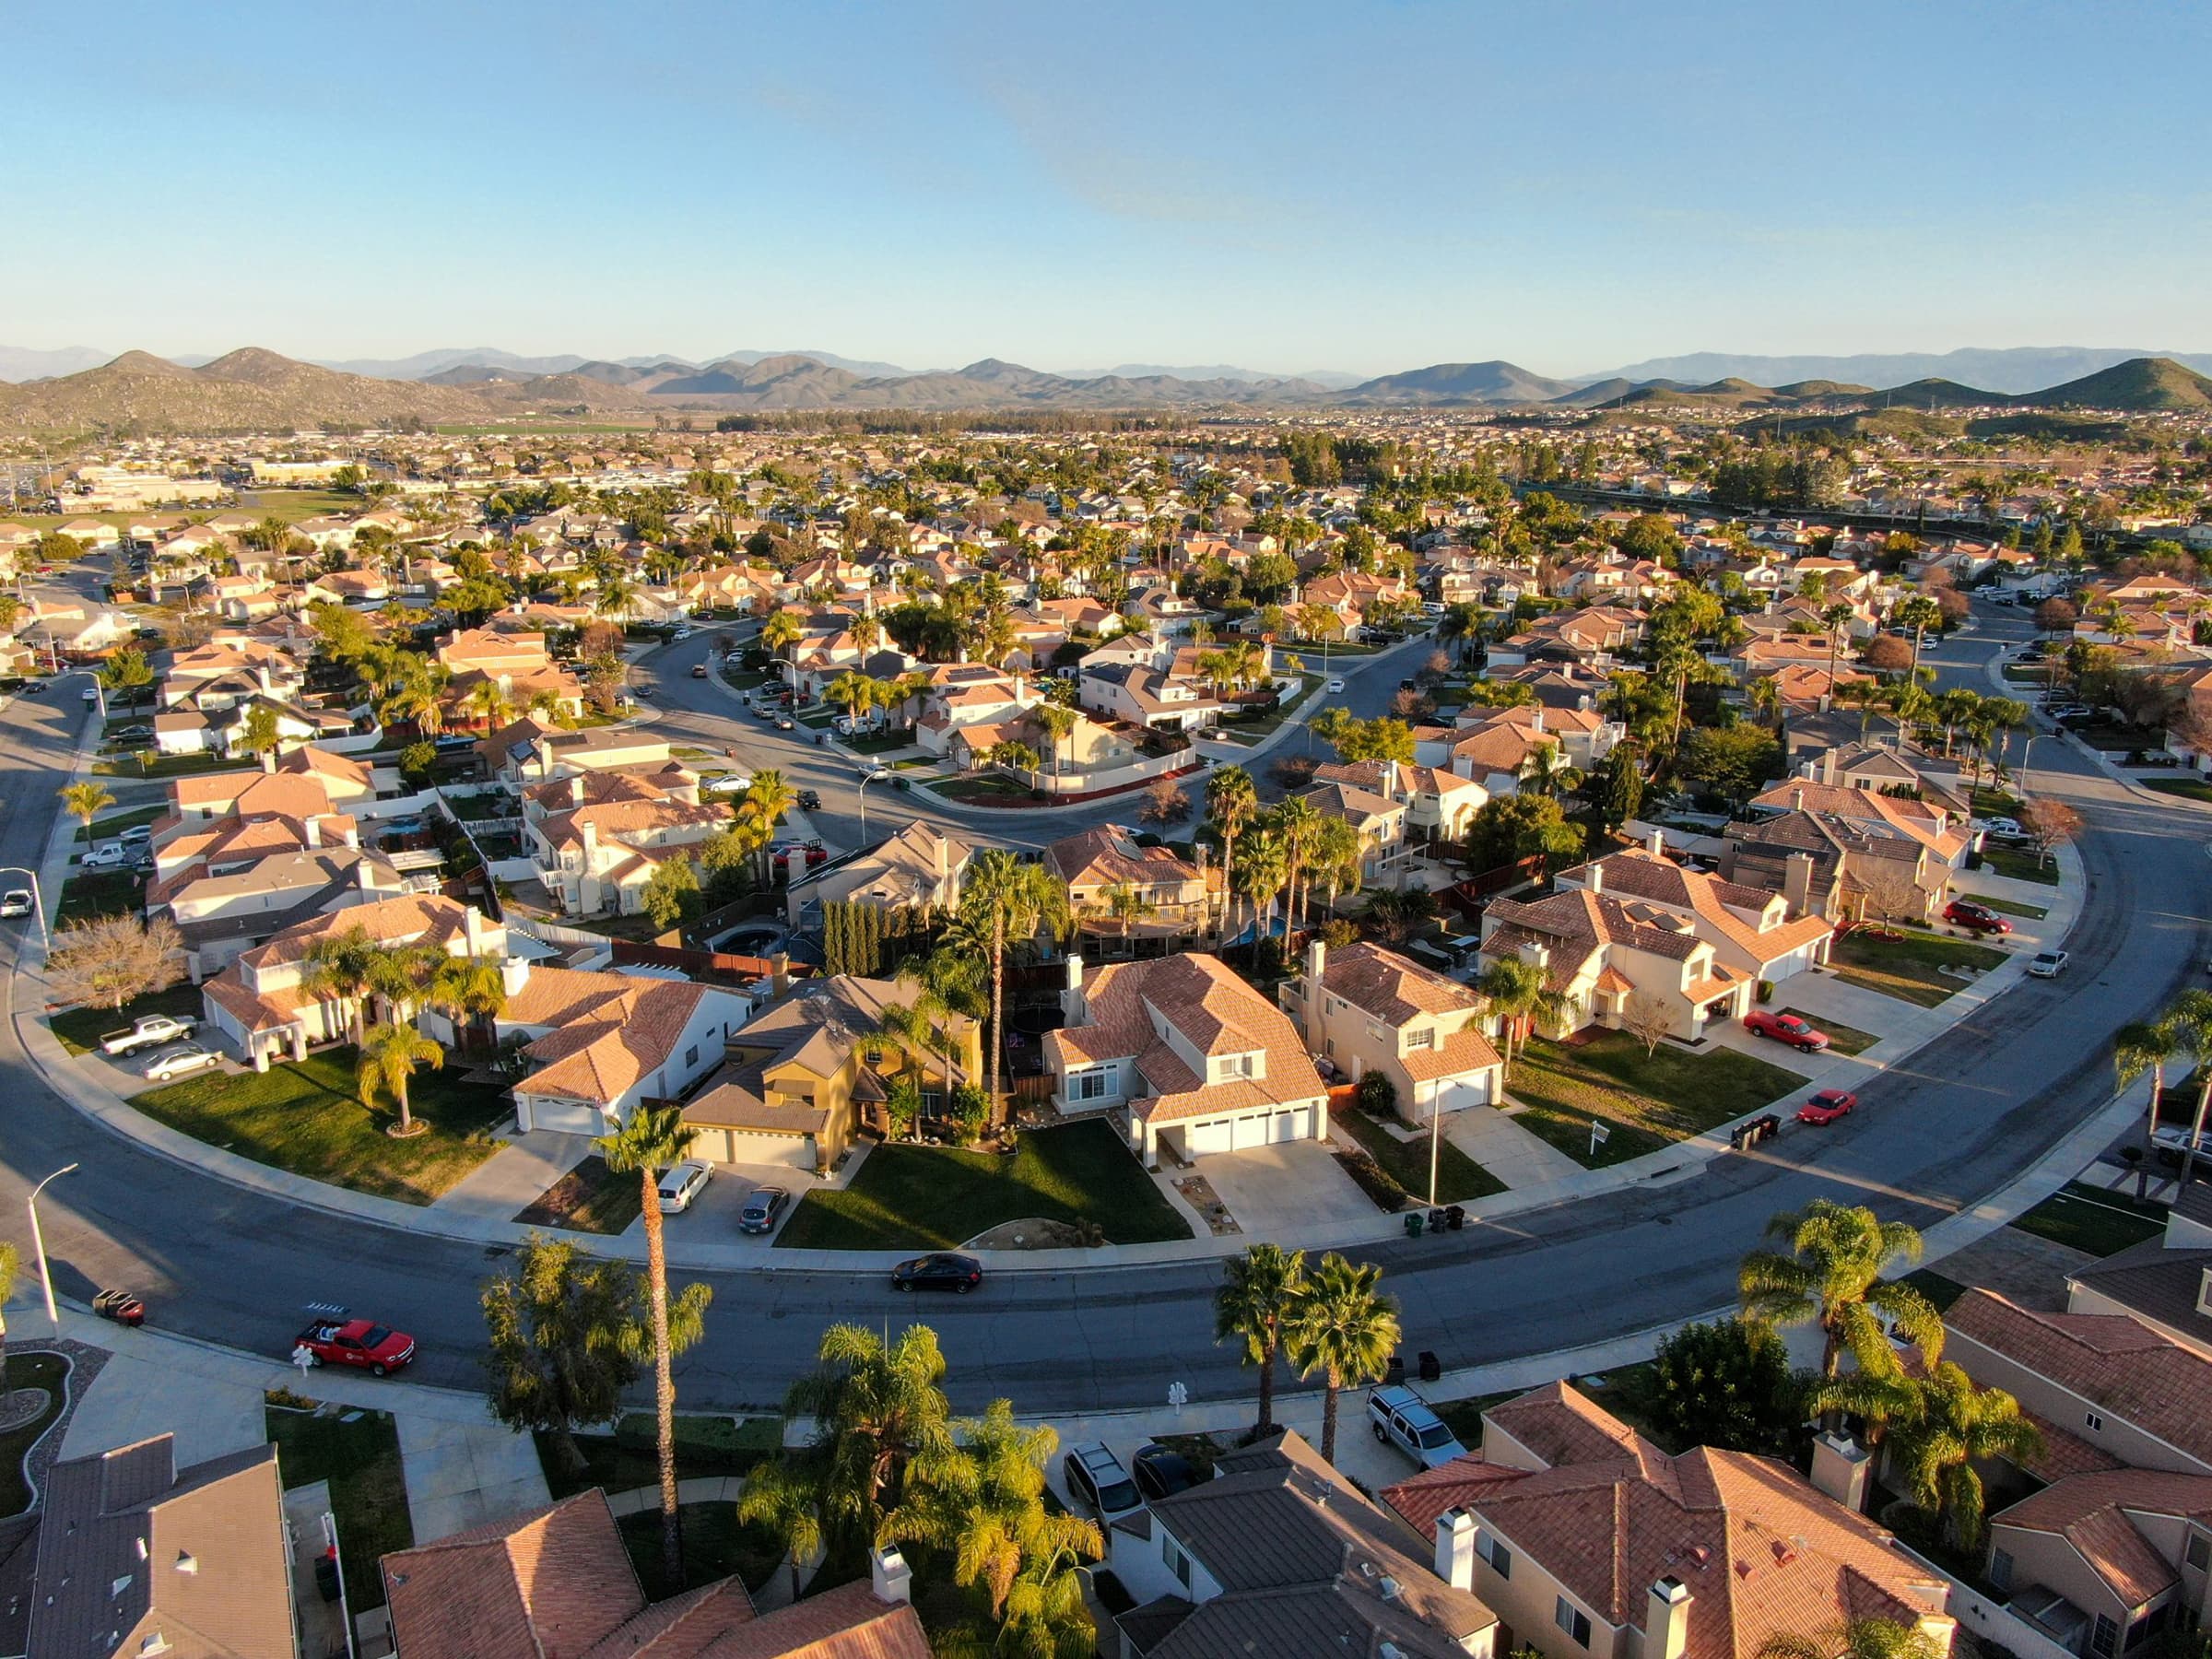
<point x="1457" y="1097"/>
<point x="772" y="1151"/>
<point x="1209" y="1137"/>
<point x="1287" y="1125"/>
<point x="567" y="1117"/>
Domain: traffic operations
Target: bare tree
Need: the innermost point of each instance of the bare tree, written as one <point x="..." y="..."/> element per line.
<point x="110" y="959"/>
<point x="2049" y="822"/>
<point x="1892" y="889"/>
<point x="1165" y="803"/>
<point x="1648" y="1021"/>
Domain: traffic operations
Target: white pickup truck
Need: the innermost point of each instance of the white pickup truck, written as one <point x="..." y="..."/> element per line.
<point x="148" y="1030"/>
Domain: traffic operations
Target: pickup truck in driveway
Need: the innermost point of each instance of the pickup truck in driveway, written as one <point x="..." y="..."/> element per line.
<point x="150" y="1029"/>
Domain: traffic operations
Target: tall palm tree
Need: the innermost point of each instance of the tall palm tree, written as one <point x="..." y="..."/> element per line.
<point x="1955" y="1426"/>
<point x="340" y="966"/>
<point x="1127" y="902"/>
<point x="2191" y="1017"/>
<point x="780" y="632"/>
<point x="655" y="1138"/>
<point x="1232" y="801"/>
<point x="1005" y="902"/>
<point x="1833" y="1277"/>
<point x="85" y="801"/>
<point x="781" y="1498"/>
<point x="855" y="691"/>
<point x="1257" y="1294"/>
<point x="1059" y="723"/>
<point x="2146" y="1046"/>
<point x="1297" y="821"/>
<point x="767" y="799"/>
<point x="949" y="985"/>
<point x="1266" y="868"/>
<point x="471" y="991"/>
<point x="1340" y="1326"/>
<point x="489" y="701"/>
<point x="387" y="1059"/>
<point x="1520" y="993"/>
<point x="1836" y="618"/>
<point x="880" y="1407"/>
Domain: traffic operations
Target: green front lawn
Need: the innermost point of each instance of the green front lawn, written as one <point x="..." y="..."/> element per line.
<point x="1459" y="1179"/>
<point x="2191" y="789"/>
<point x="2010" y="907"/>
<point x="983" y="789"/>
<point x="1989" y="801"/>
<point x="1844" y="1039"/>
<point x="1646" y="1101"/>
<point x="1908" y="967"/>
<point x="2090" y="1219"/>
<point x="115" y="824"/>
<point x="80" y="1029"/>
<point x="589" y="1198"/>
<point x="358" y="1453"/>
<point x="909" y="1197"/>
<point x="2021" y="863"/>
<point x="626" y="1459"/>
<point x="93" y="893"/>
<point x="308" y="1119"/>
<point x="164" y="766"/>
<point x="716" y="1546"/>
<point x="49" y="1373"/>
<point x="1941" y="1293"/>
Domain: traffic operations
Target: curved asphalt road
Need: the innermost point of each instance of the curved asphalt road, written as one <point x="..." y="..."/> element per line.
<point x="1957" y="1122"/>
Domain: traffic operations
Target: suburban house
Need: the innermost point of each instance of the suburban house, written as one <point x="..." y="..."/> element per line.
<point x="917" y="869"/>
<point x="2166" y="1282"/>
<point x="601" y="1042"/>
<point x="797" y="1079"/>
<point x="1279" y="1554"/>
<point x="1145" y="697"/>
<point x="1750" y="929"/>
<point x="1838" y="867"/>
<point x="2097" y="1563"/>
<point x="1495" y="752"/>
<point x="1439" y="805"/>
<point x="1190" y="1056"/>
<point x="131" y="1556"/>
<point x="531" y="751"/>
<point x="1370" y="1009"/>
<point x="558" y="1581"/>
<point x="246" y="881"/>
<point x="1589" y="1540"/>
<point x="303" y="781"/>
<point x="1378" y="820"/>
<point x="1167" y="895"/>
<point x="598" y="851"/>
<point x="1612" y="957"/>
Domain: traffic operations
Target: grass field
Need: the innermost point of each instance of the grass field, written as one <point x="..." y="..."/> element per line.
<point x="626" y="1460"/>
<point x="1458" y="1177"/>
<point x="1646" y="1102"/>
<point x="2086" y="1218"/>
<point x="92" y="893"/>
<point x="359" y="1454"/>
<point x="45" y="1371"/>
<point x="116" y="823"/>
<point x="909" y="1197"/>
<point x="1844" y="1039"/>
<point x="1908" y="967"/>
<point x="2021" y="863"/>
<point x="716" y="1546"/>
<point x="308" y="1119"/>
<point x="2010" y="907"/>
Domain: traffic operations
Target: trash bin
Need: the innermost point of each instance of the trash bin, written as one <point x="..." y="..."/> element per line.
<point x="1432" y="1369"/>
<point x="1455" y="1218"/>
<point x="1395" y="1372"/>
<point x="1413" y="1223"/>
<point x="1436" y="1220"/>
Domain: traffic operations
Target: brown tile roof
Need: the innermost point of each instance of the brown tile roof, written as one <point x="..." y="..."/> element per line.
<point x="849" y="1622"/>
<point x="600" y="1055"/>
<point x="2092" y="1512"/>
<point x="1462" y="1052"/>
<point x="1392" y="988"/>
<point x="427" y="918"/>
<point x="1110" y="854"/>
<point x="1577" y="916"/>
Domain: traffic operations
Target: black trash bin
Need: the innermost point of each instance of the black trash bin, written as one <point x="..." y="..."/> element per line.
<point x="1436" y="1221"/>
<point x="1395" y="1372"/>
<point x="1456" y="1217"/>
<point x="1432" y="1369"/>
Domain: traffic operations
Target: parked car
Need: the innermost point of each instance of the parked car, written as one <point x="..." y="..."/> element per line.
<point x="1827" y="1106"/>
<point x="181" y="1060"/>
<point x="1785" y="1028"/>
<point x="1161" y="1473"/>
<point x="763" y="1205"/>
<point x="137" y="835"/>
<point x="1402" y="1419"/>
<point x="2004" y="828"/>
<point x="105" y="856"/>
<point x="1336" y="688"/>
<point x="1965" y="913"/>
<point x="683" y="1182"/>
<point x="944" y="1271"/>
<point x="2047" y="964"/>
<point x="336" y="1339"/>
<point x="144" y="1032"/>
<point x="2171" y="1140"/>
<point x="1095" y="1478"/>
<point x="16" y="902"/>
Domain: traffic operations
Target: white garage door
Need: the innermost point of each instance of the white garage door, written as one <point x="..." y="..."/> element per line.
<point x="1202" y="1138"/>
<point x="567" y="1117"/>
<point x="1287" y="1125"/>
<point x="1456" y="1097"/>
<point x="773" y="1151"/>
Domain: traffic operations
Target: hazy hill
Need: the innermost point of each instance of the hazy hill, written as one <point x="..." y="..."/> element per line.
<point x="1489" y="382"/>
<point x="2140" y="384"/>
<point x="2019" y="369"/>
<point x="249" y="389"/>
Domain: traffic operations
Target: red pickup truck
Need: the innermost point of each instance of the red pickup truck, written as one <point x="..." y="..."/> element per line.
<point x="360" y="1343"/>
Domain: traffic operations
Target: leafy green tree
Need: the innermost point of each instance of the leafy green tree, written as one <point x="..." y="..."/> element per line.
<point x="1727" y="1384"/>
<point x="1732" y="761"/>
<point x="1833" y="1277"/>
<point x="1617" y="790"/>
<point x="672" y="892"/>
<point x="417" y="762"/>
<point x="127" y="673"/>
<point x="878" y="1407"/>
<point x="258" y="733"/>
<point x="1258" y="1293"/>
<point x="1509" y="829"/>
<point x="1341" y="1326"/>
<point x="563" y="1328"/>
<point x="781" y="1497"/>
<point x="655" y="1138"/>
<point x="1859" y="1639"/>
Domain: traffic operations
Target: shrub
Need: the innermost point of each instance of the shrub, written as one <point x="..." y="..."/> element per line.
<point x="1377" y="1094"/>
<point x="1766" y="990"/>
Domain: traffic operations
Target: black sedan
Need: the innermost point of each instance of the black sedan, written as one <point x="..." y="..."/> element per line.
<point x="1161" y="1473"/>
<point x="946" y="1272"/>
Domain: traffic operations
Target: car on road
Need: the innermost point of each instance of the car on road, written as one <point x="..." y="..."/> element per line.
<point x="1786" y="1027"/>
<point x="182" y="1061"/>
<point x="1336" y="688"/>
<point x="336" y="1338"/>
<point x="1965" y="913"/>
<point x="92" y="695"/>
<point x="1827" y="1106"/>
<point x="35" y="688"/>
<point x="680" y="1183"/>
<point x="784" y="723"/>
<point x="1161" y="1471"/>
<point x="763" y="1205"/>
<point x="810" y="800"/>
<point x="698" y="671"/>
<point x="683" y="631"/>
<point x="1097" y="1480"/>
<point x="16" y="902"/>
<point x="2047" y="964"/>
<point x="1401" y="1418"/>
<point x="943" y="1271"/>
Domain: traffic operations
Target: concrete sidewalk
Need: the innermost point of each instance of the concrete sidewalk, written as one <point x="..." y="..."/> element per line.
<point x="514" y="1177"/>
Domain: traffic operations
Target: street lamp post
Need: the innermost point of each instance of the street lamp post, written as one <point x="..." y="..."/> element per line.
<point x="38" y="903"/>
<point x="38" y="1245"/>
<point x="862" y="796"/>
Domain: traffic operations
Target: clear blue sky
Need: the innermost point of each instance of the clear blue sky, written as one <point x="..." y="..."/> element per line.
<point x="1285" y="186"/>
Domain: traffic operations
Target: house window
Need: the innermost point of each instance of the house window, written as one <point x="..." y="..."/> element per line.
<point x="1094" y="1084"/>
<point x="1177" y="1558"/>
<point x="2198" y="1552"/>
<point x="691" y="1055"/>
<point x="2096" y="1423"/>
<point x="1499" y="1558"/>
<point x="1576" y="1623"/>
<point x="1421" y="1037"/>
<point x="2105" y="1639"/>
<point x="2000" y="1568"/>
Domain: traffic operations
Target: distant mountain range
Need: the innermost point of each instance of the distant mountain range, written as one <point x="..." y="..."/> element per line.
<point x="254" y="389"/>
<point x="2011" y="369"/>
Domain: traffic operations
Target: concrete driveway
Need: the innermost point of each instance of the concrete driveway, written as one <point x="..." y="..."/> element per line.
<point x="1292" y="1186"/>
<point x="713" y="1213"/>
<point x="1515" y="1155"/>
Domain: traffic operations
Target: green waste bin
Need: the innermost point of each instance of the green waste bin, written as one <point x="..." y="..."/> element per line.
<point x="1415" y="1220"/>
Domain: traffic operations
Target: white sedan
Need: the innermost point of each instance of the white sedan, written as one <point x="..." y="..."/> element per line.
<point x="2047" y="964"/>
<point x="1336" y="688"/>
<point x="182" y="1061"/>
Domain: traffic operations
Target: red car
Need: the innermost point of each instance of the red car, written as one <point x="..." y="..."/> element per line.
<point x="1827" y="1106"/>
<point x="1965" y="913"/>
<point x="1786" y="1027"/>
<point x="360" y="1343"/>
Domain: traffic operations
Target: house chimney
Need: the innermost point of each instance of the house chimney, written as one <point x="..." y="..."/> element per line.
<point x="1455" y="1548"/>
<point x="1840" y="1470"/>
<point x="889" y="1576"/>
<point x="576" y="789"/>
<point x="1593" y="877"/>
<point x="1797" y="799"/>
<point x="1074" y="1008"/>
<point x="1667" y="1619"/>
<point x="311" y="832"/>
<point x="268" y="757"/>
<point x="1828" y="767"/>
<point x="472" y="924"/>
<point x="1797" y="883"/>
<point x="1658" y="843"/>
<point x="514" y="973"/>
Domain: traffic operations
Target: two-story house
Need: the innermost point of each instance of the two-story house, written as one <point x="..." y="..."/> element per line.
<point x="1371" y="1009"/>
<point x="1160" y="895"/>
<point x="917" y="869"/>
<point x="1749" y="928"/>
<point x="1438" y="806"/>
<point x="1149" y="698"/>
<point x="600" y="854"/>
<point x="1187" y="1053"/>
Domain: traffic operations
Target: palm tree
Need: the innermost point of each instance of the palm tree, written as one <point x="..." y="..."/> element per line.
<point x="655" y="1138"/>
<point x="1955" y="1426"/>
<point x="1833" y="1277"/>
<point x="1127" y="902"/>
<point x="340" y="965"/>
<point x="1919" y="613"/>
<point x="1005" y="902"/>
<point x="1257" y="1295"/>
<point x="488" y="701"/>
<point x="470" y="991"/>
<point x="387" y="1059"/>
<point x="1519" y="992"/>
<point x="1297" y="821"/>
<point x="767" y="799"/>
<point x="780" y="632"/>
<point x="2146" y="1046"/>
<point x="1340" y="1326"/>
<point x="86" y="801"/>
<point x="1232" y="801"/>
<point x="949" y="985"/>
<point x="1836" y="618"/>
<point x="1859" y="1639"/>
<point x="880" y="1407"/>
<point x="2191" y="1017"/>
<point x="857" y="691"/>
<point x="1059" y="724"/>
<point x="1266" y="868"/>
<point x="780" y="1498"/>
<point x="11" y="1263"/>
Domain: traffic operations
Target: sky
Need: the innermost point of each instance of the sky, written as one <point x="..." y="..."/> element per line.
<point x="1361" y="187"/>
